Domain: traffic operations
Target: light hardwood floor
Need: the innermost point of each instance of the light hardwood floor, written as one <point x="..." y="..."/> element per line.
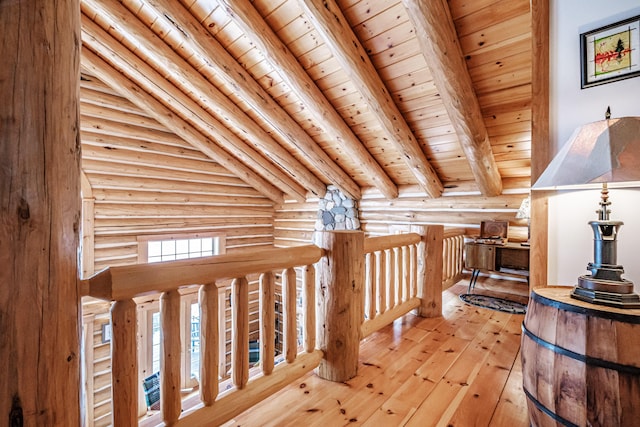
<point x="462" y="369"/>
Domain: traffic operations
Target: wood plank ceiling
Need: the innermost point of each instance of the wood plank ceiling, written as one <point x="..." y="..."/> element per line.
<point x="292" y="95"/>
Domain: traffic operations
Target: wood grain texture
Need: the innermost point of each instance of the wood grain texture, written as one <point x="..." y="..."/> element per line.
<point x="296" y="77"/>
<point x="580" y="375"/>
<point x="171" y="348"/>
<point x="419" y="371"/>
<point x="40" y="210"/>
<point x="267" y="322"/>
<point x="439" y="42"/>
<point x="332" y="25"/>
<point x="240" y="332"/>
<point x="124" y="359"/>
<point x="540" y="141"/>
<point x="340" y="303"/>
<point x="209" y="343"/>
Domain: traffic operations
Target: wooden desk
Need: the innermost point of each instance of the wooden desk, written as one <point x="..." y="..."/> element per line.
<point x="509" y="258"/>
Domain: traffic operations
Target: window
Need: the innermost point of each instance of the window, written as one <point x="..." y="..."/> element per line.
<point x="162" y="248"/>
<point x="172" y="247"/>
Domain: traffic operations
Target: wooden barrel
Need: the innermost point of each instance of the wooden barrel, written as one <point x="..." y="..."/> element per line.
<point x="580" y="362"/>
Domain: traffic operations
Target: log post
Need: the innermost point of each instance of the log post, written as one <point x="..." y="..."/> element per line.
<point x="40" y="212"/>
<point x="124" y="363"/>
<point x="430" y="269"/>
<point x="340" y="309"/>
<point x="170" y="399"/>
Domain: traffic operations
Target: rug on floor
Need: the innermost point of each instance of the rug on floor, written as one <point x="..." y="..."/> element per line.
<point x="494" y="303"/>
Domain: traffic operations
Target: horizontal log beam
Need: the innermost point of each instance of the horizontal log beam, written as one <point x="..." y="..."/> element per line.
<point x="224" y="66"/>
<point x="164" y="115"/>
<point x="439" y="43"/>
<point x="281" y="58"/>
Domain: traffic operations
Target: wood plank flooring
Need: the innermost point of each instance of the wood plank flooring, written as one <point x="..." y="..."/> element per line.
<point x="462" y="369"/>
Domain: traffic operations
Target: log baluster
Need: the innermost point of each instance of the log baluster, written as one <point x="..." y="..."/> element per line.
<point x="413" y="249"/>
<point x="267" y="321"/>
<point x="222" y="330"/>
<point x="170" y="399"/>
<point x="406" y="274"/>
<point x="370" y="284"/>
<point x="290" y="319"/>
<point x="209" y="351"/>
<point x="397" y="261"/>
<point x="381" y="280"/>
<point x="309" y="303"/>
<point x="391" y="283"/>
<point x="124" y="363"/>
<point x="240" y="332"/>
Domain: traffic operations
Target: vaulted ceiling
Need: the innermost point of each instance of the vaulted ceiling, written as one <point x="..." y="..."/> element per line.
<point x="293" y="95"/>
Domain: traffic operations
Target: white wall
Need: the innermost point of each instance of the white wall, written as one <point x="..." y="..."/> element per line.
<point x="570" y="237"/>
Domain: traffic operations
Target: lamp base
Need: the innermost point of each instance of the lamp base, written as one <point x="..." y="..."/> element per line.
<point x="611" y="299"/>
<point x="592" y="283"/>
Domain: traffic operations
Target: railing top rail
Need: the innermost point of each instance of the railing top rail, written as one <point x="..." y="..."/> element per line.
<point x="118" y="283"/>
<point x="456" y="231"/>
<point x="374" y="244"/>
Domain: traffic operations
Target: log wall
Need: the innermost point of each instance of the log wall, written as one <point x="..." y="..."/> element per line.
<point x="141" y="180"/>
<point x="145" y="180"/>
<point x="461" y="206"/>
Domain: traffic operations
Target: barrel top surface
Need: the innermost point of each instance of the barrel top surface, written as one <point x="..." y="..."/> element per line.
<point x="560" y="297"/>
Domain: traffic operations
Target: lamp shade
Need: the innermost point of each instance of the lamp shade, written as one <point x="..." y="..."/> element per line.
<point x="524" y="212"/>
<point x="603" y="151"/>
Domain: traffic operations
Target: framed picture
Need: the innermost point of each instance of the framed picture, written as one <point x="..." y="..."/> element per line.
<point x="611" y="53"/>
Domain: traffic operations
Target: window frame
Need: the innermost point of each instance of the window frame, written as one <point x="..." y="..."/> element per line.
<point x="150" y="306"/>
<point x="219" y="246"/>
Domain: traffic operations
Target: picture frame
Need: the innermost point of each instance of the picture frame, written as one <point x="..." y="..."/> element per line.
<point x="610" y="53"/>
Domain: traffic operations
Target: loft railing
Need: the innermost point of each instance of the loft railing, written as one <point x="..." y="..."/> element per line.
<point x="452" y="256"/>
<point x="388" y="276"/>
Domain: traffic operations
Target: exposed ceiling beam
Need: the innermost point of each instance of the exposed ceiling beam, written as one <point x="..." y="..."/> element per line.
<point x="333" y="27"/>
<point x="225" y="67"/>
<point x="204" y="96"/>
<point x="439" y="43"/>
<point x="290" y="70"/>
<point x="156" y="109"/>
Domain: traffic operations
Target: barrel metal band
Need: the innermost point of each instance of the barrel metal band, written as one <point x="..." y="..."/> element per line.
<point x="593" y="361"/>
<point x="547" y="411"/>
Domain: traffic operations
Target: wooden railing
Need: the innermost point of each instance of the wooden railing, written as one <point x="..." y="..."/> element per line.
<point x="452" y="256"/>
<point x="403" y="272"/>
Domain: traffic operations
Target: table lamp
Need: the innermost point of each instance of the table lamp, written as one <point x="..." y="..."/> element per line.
<point x="602" y="152"/>
<point x="524" y="212"/>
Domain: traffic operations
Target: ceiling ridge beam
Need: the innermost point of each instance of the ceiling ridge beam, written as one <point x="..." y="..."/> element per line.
<point x="334" y="29"/>
<point x="159" y="57"/>
<point x="176" y="124"/>
<point x="232" y="73"/>
<point x="439" y="43"/>
<point x="294" y="75"/>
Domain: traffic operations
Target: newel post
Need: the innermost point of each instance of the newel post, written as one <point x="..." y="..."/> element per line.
<point x="429" y="273"/>
<point x="340" y="302"/>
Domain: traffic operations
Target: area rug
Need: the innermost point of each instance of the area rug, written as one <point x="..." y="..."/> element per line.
<point x="494" y="303"/>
